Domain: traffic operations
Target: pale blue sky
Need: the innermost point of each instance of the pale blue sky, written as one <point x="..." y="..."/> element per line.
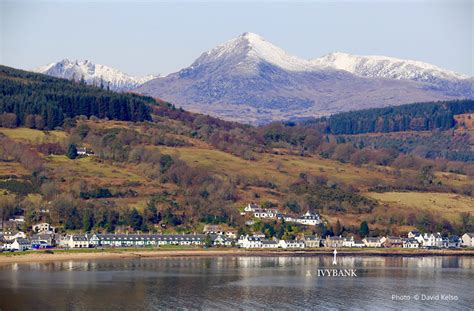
<point x="164" y="36"/>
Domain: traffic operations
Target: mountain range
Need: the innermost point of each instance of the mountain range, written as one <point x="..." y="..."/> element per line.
<point x="248" y="79"/>
<point x="94" y="74"/>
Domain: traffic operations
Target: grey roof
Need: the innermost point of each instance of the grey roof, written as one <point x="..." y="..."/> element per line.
<point x="79" y="238"/>
<point x="372" y="239"/>
<point x="22" y="241"/>
<point x="269" y="242"/>
<point x="148" y="237"/>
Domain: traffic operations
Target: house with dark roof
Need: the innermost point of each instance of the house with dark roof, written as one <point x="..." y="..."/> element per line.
<point x="5" y="245"/>
<point x="249" y="242"/>
<point x="411" y="243"/>
<point x="413" y="234"/>
<point x="291" y="244"/>
<point x="74" y="241"/>
<point x="21" y="244"/>
<point x="43" y="240"/>
<point x="140" y="240"/>
<point x="454" y="242"/>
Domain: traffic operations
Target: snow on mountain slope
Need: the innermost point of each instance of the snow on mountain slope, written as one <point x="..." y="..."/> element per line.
<point x="94" y="74"/>
<point x="248" y="79"/>
<point x="250" y="48"/>
<point x="375" y="66"/>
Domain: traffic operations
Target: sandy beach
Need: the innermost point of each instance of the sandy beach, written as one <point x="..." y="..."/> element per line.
<point x="61" y="255"/>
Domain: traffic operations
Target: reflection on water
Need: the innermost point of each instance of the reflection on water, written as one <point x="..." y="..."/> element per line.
<point x="236" y="283"/>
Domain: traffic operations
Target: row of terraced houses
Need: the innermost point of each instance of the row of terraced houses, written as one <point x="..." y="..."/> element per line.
<point x="45" y="237"/>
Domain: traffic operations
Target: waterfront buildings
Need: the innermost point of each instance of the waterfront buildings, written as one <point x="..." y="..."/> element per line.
<point x="468" y="239"/>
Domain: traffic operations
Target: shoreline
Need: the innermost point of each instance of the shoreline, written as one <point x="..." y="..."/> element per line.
<point x="94" y="254"/>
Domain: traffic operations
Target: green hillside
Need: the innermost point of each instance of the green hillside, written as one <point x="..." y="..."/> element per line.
<point x="172" y="170"/>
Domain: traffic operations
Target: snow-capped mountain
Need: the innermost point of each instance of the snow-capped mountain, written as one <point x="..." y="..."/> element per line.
<point x="376" y="66"/>
<point x="251" y="80"/>
<point x="94" y="74"/>
<point x="247" y="51"/>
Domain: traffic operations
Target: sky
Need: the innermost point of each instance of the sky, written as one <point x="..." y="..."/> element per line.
<point x="160" y="37"/>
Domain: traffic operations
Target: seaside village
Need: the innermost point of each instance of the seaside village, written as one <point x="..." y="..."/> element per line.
<point x="45" y="236"/>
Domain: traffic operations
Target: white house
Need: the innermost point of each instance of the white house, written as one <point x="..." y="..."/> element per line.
<point x="431" y="240"/>
<point x="468" y="239"/>
<point x="250" y="242"/>
<point x="265" y="213"/>
<point x="21" y="244"/>
<point x="372" y="242"/>
<point x="259" y="234"/>
<point x="250" y="208"/>
<point x="291" y="244"/>
<point x="5" y="245"/>
<point x="310" y="219"/>
<point x="358" y="244"/>
<point x="413" y="234"/>
<point x="213" y="229"/>
<point x="11" y="236"/>
<point x="351" y="242"/>
<point x="43" y="228"/>
<point x="454" y="242"/>
<point x="410" y="243"/>
<point x="270" y="244"/>
<point x="221" y="240"/>
<point x="348" y="242"/>
<point x="75" y="241"/>
<point x="18" y="219"/>
<point x="83" y="151"/>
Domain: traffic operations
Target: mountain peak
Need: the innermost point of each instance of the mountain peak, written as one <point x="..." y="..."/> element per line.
<point x="92" y="73"/>
<point x="251" y="36"/>
<point x="377" y="66"/>
<point x="249" y="49"/>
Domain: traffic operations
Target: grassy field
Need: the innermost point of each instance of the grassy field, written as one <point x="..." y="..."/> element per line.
<point x="12" y="168"/>
<point x="276" y="168"/>
<point x="281" y="169"/>
<point x="91" y="169"/>
<point x="447" y="204"/>
<point x="33" y="136"/>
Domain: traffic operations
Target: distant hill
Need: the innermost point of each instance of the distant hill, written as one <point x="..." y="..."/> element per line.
<point x="250" y="80"/>
<point x="44" y="102"/>
<point x="410" y="117"/>
<point x="384" y="67"/>
<point x="93" y="74"/>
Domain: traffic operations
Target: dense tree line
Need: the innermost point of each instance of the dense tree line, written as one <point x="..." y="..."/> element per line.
<point x="412" y="117"/>
<point x="43" y="102"/>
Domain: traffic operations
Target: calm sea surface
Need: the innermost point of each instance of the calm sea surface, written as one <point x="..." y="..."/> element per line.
<point x="240" y="283"/>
